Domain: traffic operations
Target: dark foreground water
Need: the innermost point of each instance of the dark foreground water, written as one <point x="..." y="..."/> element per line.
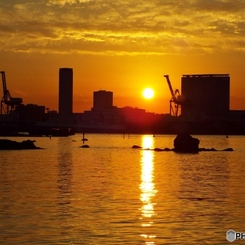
<point x="113" y="194"/>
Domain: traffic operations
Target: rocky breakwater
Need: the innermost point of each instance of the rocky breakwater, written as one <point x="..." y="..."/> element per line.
<point x="6" y="144"/>
<point x="184" y="143"/>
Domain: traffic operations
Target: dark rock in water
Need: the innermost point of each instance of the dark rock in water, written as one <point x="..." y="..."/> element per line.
<point x="168" y="149"/>
<point x="202" y="149"/>
<point x="228" y="149"/>
<point x="158" y="149"/>
<point x="207" y="149"/>
<point x="14" y="145"/>
<point x="185" y="143"/>
<point x="165" y="149"/>
<point x="27" y="144"/>
<point x="85" y="146"/>
<point x="213" y="149"/>
<point x="136" y="147"/>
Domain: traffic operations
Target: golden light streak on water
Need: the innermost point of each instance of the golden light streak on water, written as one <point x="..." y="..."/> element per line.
<point x="147" y="185"/>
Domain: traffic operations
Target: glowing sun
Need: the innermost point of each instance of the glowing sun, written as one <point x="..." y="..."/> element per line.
<point x="148" y="93"/>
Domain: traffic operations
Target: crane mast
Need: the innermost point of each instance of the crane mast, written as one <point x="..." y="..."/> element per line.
<point x="8" y="103"/>
<point x="175" y="101"/>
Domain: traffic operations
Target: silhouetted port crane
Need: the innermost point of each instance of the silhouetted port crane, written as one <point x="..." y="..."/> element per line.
<point x="8" y="103"/>
<point x="176" y="100"/>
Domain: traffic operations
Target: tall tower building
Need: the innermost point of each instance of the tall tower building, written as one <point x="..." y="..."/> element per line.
<point x="102" y="100"/>
<point x="65" y="92"/>
<point x="208" y="95"/>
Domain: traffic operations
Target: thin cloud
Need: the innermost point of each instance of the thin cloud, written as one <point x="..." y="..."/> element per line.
<point x="123" y="26"/>
<point x="19" y="93"/>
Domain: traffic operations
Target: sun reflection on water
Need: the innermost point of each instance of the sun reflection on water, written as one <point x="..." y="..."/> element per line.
<point x="147" y="187"/>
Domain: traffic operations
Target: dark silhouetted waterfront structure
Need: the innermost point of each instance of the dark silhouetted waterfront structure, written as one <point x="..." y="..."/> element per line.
<point x="31" y="113"/>
<point x="102" y="100"/>
<point x="206" y="95"/>
<point x="65" y="92"/>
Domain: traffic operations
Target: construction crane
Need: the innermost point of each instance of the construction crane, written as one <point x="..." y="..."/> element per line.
<point x="176" y="100"/>
<point x="8" y="103"/>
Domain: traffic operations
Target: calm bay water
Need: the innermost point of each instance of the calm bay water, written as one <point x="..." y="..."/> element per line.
<point x="113" y="194"/>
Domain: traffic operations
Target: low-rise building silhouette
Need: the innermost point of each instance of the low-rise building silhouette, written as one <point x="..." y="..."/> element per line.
<point x="102" y="100"/>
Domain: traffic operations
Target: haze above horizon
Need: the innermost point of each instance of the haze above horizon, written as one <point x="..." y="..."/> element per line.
<point x="121" y="46"/>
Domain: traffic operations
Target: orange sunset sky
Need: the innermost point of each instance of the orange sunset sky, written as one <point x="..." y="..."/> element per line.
<point x="121" y="46"/>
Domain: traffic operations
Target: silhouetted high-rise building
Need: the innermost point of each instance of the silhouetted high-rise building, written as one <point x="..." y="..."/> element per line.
<point x="102" y="100"/>
<point x="205" y="95"/>
<point x="65" y="91"/>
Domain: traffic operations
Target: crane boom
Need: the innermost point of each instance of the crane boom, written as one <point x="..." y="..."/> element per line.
<point x="176" y="98"/>
<point x="6" y="94"/>
<point x="169" y="85"/>
<point x="175" y="94"/>
<point x="7" y="99"/>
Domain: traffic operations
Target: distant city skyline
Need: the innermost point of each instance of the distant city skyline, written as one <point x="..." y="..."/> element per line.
<point x="65" y="91"/>
<point x="120" y="46"/>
